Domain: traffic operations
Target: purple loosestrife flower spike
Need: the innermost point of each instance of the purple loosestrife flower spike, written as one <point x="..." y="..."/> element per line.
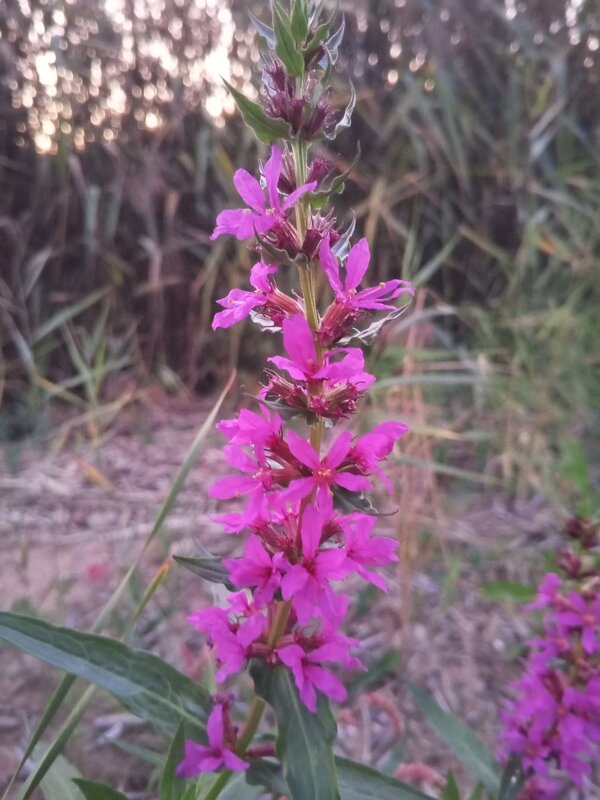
<point x="291" y="480"/>
<point x="553" y="722"/>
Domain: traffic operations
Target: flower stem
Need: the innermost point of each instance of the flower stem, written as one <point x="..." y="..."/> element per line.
<point x="307" y="274"/>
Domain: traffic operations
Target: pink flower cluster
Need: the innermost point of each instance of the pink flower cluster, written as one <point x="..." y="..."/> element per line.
<point x="553" y="722"/>
<point x="301" y="499"/>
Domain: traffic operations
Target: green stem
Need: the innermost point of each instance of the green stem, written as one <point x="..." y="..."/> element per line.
<point x="300" y="153"/>
<point x="307" y="272"/>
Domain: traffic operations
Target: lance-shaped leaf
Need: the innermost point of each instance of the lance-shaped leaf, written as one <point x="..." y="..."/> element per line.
<point x="512" y="780"/>
<point x="342" y="246"/>
<point x="332" y="45"/>
<point x="450" y="791"/>
<point x="356" y="781"/>
<point x="266" y="129"/>
<point x="268" y="34"/>
<point x="57" y="783"/>
<point x="316" y="40"/>
<point x="286" y="47"/>
<point x="304" y="740"/>
<point x="350" y="502"/>
<point x="171" y="787"/>
<point x="347" y="118"/>
<point x="267" y="773"/>
<point x="465" y="744"/>
<point x="142" y="682"/>
<point x="97" y="791"/>
<point x="207" y="566"/>
<point x="299" y="20"/>
<point x="359" y="782"/>
<point x="508" y="590"/>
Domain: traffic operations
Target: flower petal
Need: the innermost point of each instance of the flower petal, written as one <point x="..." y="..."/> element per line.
<point x="249" y="190"/>
<point x="293" y="198"/>
<point x="357" y="264"/>
<point x="339" y="450"/>
<point x="214" y="726"/>
<point x="299" y="341"/>
<point x="272" y="171"/>
<point x="303" y="450"/>
<point x="354" y="483"/>
<point x="330" y="266"/>
<point x="233" y="761"/>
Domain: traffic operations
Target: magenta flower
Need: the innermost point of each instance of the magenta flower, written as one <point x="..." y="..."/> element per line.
<point x="376" y="446"/>
<point x="346" y="292"/>
<point x="263" y="214"/>
<point x="309" y="676"/>
<point x="547" y="593"/>
<point x="250" y="428"/>
<point x="325" y="473"/>
<point x="585" y="618"/>
<point x="364" y="550"/>
<point x="303" y="365"/>
<point x="307" y="582"/>
<point x="258" y="569"/>
<point x="199" y="758"/>
<point x="238" y="304"/>
<point x="257" y="471"/>
<point x="553" y="722"/>
<point x="231" y="638"/>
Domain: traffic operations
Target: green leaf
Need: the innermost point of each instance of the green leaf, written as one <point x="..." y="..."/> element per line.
<point x="286" y="47"/>
<point x="172" y="787"/>
<point x="332" y="44"/>
<point x="47" y="759"/>
<point x="477" y="793"/>
<point x="208" y="567"/>
<point x="263" y="30"/>
<point x="304" y="740"/>
<point x="450" y="791"/>
<point x="463" y="742"/>
<point x="353" y="501"/>
<point x="66" y="314"/>
<point x="359" y="782"/>
<point x="267" y="773"/>
<point x="512" y="780"/>
<point x="356" y="781"/>
<point x="57" y="783"/>
<point x="508" y="590"/>
<point x="266" y="129"/>
<point x="315" y="41"/>
<point x="239" y="789"/>
<point x="142" y="682"/>
<point x="299" y="22"/>
<point x="347" y="118"/>
<point x="97" y="791"/>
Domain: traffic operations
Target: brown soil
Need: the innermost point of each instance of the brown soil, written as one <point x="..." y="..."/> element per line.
<point x="71" y="523"/>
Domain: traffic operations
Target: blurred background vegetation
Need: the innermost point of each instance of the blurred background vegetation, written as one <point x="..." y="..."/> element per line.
<point x="479" y="179"/>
